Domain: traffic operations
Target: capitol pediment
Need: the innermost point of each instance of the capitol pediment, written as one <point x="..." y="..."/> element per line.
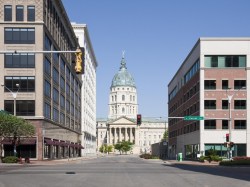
<point x="123" y="120"/>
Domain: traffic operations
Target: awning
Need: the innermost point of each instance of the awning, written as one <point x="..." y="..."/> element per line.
<point x="23" y="141"/>
<point x="56" y="142"/>
<point x="48" y="141"/>
<point x="80" y="146"/>
<point x="62" y="143"/>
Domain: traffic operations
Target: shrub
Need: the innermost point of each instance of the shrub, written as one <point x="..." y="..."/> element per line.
<point x="216" y="158"/>
<point x="10" y="159"/>
<point x="148" y="156"/>
<point x="202" y="159"/>
<point x="235" y="163"/>
<point x="154" y="157"/>
<point x="241" y="158"/>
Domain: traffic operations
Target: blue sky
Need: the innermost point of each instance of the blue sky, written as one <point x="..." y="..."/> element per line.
<point x="157" y="35"/>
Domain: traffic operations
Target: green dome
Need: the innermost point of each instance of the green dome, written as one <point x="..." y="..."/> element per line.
<point x="123" y="77"/>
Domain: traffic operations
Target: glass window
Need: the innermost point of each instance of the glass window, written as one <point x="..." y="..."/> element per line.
<point x="26" y="84"/>
<point x="62" y="118"/>
<point x="210" y="104"/>
<point x="47" y="111"/>
<point x="240" y="124"/>
<point x="62" y="67"/>
<point x="210" y="124"/>
<point x="67" y="106"/>
<point x="123" y="97"/>
<point x="224" y="124"/>
<point x="225" y="61"/>
<point x="22" y="60"/>
<point x="19" y="35"/>
<point x="240" y="104"/>
<point x="224" y="104"/>
<point x="224" y="84"/>
<point x="7" y="13"/>
<point x="55" y="75"/>
<point x="19" y="13"/>
<point x="238" y="84"/>
<point x="31" y="13"/>
<point x="47" y="67"/>
<point x="23" y="107"/>
<point x="62" y="83"/>
<point x="210" y="84"/>
<point x="55" y="115"/>
<point x="62" y="101"/>
<point x="47" y="89"/>
<point x="47" y="43"/>
<point x="55" y="95"/>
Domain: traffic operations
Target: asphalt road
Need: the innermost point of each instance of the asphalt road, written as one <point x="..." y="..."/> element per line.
<point x="123" y="171"/>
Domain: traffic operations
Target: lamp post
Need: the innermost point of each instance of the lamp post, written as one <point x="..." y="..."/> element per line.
<point x="14" y="94"/>
<point x="229" y="97"/>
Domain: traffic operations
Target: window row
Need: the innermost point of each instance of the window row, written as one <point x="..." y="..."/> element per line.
<point x="19" y="13"/>
<point x="54" y="114"/>
<point x="59" y="77"/>
<point x="19" y="60"/>
<point x="190" y="93"/>
<point x="114" y="98"/>
<point x="186" y="129"/>
<point x="23" y="107"/>
<point x="225" y="61"/>
<point x="238" y="104"/>
<point x="238" y="124"/>
<point x="192" y="71"/>
<point x="212" y="84"/>
<point x="26" y="84"/>
<point x="19" y="35"/>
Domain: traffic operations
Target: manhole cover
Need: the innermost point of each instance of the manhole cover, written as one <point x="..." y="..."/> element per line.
<point x="70" y="172"/>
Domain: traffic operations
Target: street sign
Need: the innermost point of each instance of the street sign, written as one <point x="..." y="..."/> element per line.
<point x="165" y="143"/>
<point x="193" y="118"/>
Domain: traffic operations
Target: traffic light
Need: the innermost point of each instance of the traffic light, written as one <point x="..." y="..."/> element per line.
<point x="227" y="137"/>
<point x="78" y="66"/>
<point x="138" y="119"/>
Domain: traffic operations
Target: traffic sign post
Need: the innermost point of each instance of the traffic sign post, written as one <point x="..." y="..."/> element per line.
<point x="193" y="118"/>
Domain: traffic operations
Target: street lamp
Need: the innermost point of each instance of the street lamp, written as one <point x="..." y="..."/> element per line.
<point x="229" y="97"/>
<point x="14" y="94"/>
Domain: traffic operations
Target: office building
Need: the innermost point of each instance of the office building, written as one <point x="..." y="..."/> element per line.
<point x="88" y="94"/>
<point x="49" y="93"/>
<point x="212" y="83"/>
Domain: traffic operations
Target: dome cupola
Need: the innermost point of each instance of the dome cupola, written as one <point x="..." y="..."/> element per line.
<point x="123" y="77"/>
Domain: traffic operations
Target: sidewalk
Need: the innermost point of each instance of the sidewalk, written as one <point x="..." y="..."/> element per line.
<point x="49" y="162"/>
<point x="191" y="162"/>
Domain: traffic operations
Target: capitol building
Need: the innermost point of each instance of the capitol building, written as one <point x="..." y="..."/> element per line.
<point x="121" y="123"/>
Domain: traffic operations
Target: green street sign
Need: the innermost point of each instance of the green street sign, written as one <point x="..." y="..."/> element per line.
<point x="193" y="118"/>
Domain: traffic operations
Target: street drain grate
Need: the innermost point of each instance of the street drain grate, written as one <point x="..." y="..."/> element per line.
<point x="70" y="172"/>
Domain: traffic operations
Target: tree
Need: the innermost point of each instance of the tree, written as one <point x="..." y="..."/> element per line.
<point x="14" y="128"/>
<point x="118" y="146"/>
<point x="109" y="148"/>
<point x="106" y="148"/>
<point x="165" y="136"/>
<point x="124" y="146"/>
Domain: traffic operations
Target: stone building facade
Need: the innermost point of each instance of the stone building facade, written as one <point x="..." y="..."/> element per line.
<point x="49" y="93"/>
<point x="88" y="94"/>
